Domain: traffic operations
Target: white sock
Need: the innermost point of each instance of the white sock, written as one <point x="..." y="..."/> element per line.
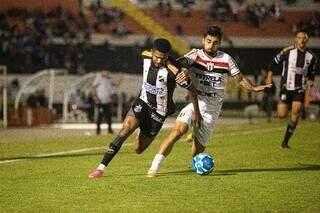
<point x="101" y="167"/>
<point x="156" y="162"/>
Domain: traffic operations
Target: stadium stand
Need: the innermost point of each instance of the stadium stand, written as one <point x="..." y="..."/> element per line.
<point x="82" y="36"/>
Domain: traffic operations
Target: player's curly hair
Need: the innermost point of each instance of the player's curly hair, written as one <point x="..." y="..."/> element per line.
<point x="161" y="44"/>
<point x="214" y="31"/>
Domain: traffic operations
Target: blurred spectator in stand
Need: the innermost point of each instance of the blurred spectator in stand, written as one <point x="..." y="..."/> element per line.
<point x="68" y="62"/>
<point x="226" y="39"/>
<point x="120" y="30"/>
<point x="33" y="40"/>
<point x="32" y="100"/>
<point x="240" y="2"/>
<point x="81" y="69"/>
<point x="13" y="90"/>
<point x="221" y="10"/>
<point x="148" y="43"/>
<point x="290" y="2"/>
<point x="89" y="103"/>
<point x="251" y="18"/>
<point x="186" y="11"/>
<point x="310" y="26"/>
<point x="101" y="93"/>
<point x="165" y="7"/>
<point x="77" y="100"/>
<point x="42" y="99"/>
<point x="179" y="30"/>
<point x="256" y="13"/>
<point x="37" y="99"/>
<point x="276" y="11"/>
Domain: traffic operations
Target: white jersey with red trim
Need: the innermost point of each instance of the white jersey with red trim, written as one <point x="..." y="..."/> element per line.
<point x="210" y="75"/>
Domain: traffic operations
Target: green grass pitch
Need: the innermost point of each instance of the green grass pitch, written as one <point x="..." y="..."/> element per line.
<point x="252" y="173"/>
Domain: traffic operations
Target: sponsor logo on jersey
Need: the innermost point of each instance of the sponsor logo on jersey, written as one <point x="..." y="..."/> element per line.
<point x="208" y="77"/>
<point x="137" y="108"/>
<point x="300" y="71"/>
<point x="210" y="66"/>
<point x="161" y="79"/>
<point x="156" y="118"/>
<point x="110" y="151"/>
<point x="153" y="89"/>
<point x="208" y="80"/>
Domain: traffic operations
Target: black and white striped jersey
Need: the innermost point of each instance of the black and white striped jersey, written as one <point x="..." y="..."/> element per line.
<point x="297" y="67"/>
<point x="158" y="86"/>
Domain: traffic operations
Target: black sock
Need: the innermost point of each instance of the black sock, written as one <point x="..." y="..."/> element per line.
<point x="114" y="147"/>
<point x="289" y="132"/>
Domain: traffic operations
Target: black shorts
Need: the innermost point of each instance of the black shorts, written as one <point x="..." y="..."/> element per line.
<point x="150" y="122"/>
<point x="288" y="96"/>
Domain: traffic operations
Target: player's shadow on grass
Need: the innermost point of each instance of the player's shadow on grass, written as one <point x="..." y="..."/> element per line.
<point x="173" y="173"/>
<point x="300" y="167"/>
<point x="188" y="172"/>
<point x="227" y="172"/>
<point x="44" y="156"/>
<point x="221" y="172"/>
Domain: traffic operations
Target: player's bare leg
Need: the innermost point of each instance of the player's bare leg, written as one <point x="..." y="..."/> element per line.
<point x="142" y="142"/>
<point x="129" y="125"/>
<point x="196" y="147"/>
<point x="282" y="110"/>
<point x="166" y="146"/>
<point x="293" y="121"/>
<point x="179" y="130"/>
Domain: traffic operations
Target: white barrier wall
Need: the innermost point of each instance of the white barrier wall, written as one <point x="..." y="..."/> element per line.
<point x="131" y="86"/>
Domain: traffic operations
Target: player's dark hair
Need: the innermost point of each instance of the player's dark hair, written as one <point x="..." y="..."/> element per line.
<point x="213" y="31"/>
<point x="162" y="45"/>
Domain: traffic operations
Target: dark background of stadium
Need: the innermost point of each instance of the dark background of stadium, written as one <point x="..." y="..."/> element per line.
<point x="127" y="59"/>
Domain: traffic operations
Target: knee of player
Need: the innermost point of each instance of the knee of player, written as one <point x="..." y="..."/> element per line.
<point x="125" y="131"/>
<point x="296" y="112"/>
<point x="138" y="150"/>
<point x="281" y="115"/>
<point x="176" y="133"/>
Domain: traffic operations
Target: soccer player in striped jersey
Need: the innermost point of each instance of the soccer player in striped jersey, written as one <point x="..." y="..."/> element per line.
<point x="297" y="76"/>
<point x="209" y="69"/>
<point x="153" y="104"/>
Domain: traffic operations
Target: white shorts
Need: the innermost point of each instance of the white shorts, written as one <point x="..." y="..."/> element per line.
<point x="210" y="116"/>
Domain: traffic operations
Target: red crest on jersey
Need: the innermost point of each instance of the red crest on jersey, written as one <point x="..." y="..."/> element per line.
<point x="211" y="64"/>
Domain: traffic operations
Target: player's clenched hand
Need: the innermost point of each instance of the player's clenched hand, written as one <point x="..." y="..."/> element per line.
<point x="196" y="120"/>
<point x="260" y="88"/>
<point x="183" y="76"/>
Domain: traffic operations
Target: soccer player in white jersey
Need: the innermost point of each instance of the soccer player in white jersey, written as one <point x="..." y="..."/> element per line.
<point x="209" y="69"/>
<point x="153" y="104"/>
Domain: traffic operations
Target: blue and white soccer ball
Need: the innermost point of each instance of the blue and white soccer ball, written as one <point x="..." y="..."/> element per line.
<point x="203" y="164"/>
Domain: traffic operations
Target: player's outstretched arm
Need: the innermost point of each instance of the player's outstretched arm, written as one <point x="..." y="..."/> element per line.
<point x="269" y="77"/>
<point x="246" y="83"/>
